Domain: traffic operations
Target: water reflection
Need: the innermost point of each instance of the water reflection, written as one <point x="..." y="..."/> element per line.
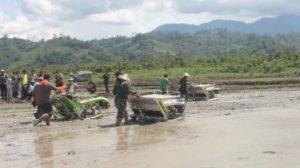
<point x="132" y="136"/>
<point x="50" y="146"/>
<point x="123" y="138"/>
<point x="44" y="150"/>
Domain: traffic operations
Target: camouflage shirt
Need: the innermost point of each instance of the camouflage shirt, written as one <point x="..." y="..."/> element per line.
<point x="183" y="84"/>
<point x="122" y="89"/>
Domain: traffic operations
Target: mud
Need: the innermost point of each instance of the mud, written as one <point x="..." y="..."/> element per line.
<point x="240" y="129"/>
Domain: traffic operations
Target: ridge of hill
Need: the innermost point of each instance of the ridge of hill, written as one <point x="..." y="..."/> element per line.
<point x="278" y="25"/>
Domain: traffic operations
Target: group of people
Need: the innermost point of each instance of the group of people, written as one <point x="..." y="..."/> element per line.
<point x="122" y="89"/>
<point x="165" y="85"/>
<point x="39" y="88"/>
<point x="42" y="93"/>
<point x="10" y="84"/>
<point x="20" y="85"/>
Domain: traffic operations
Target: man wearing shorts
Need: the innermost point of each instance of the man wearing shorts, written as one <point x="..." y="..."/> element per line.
<point x="42" y="95"/>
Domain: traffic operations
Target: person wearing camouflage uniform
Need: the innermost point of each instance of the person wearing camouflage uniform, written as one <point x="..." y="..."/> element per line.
<point x="183" y="86"/>
<point x="121" y="90"/>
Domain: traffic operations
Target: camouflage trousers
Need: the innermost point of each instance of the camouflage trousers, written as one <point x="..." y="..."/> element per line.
<point x="121" y="104"/>
<point x="184" y="93"/>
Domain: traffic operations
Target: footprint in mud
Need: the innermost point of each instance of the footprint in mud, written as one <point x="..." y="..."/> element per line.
<point x="25" y="122"/>
<point x="107" y="126"/>
<point x="243" y="158"/>
<point x="227" y="114"/>
<point x="71" y="153"/>
<point x="269" y="152"/>
<point x="10" y="144"/>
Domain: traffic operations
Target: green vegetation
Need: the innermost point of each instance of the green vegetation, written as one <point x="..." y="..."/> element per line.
<point x="209" y="53"/>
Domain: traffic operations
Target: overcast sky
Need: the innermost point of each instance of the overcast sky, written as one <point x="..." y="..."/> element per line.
<point x="95" y="19"/>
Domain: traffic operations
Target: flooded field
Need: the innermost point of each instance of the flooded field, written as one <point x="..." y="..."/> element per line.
<point x="257" y="128"/>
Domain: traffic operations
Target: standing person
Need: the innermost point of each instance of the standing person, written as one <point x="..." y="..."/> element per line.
<point x="59" y="79"/>
<point x="3" y="78"/>
<point x="71" y="88"/>
<point x="73" y="73"/>
<point x="15" y="82"/>
<point x="164" y="83"/>
<point x="30" y="89"/>
<point x="24" y="82"/>
<point x="31" y="82"/>
<point x="33" y="77"/>
<point x="105" y="78"/>
<point x="121" y="90"/>
<point x="91" y="86"/>
<point x="42" y="97"/>
<point x="183" y="86"/>
<point x="9" y="85"/>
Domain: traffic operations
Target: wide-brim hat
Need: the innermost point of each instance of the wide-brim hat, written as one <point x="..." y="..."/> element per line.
<point x="2" y="70"/>
<point x="186" y="74"/>
<point x="124" y="77"/>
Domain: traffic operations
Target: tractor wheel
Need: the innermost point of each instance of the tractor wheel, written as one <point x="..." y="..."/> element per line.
<point x="211" y="94"/>
<point x="141" y="120"/>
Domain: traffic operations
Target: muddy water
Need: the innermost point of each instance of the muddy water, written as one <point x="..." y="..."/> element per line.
<point x="243" y="129"/>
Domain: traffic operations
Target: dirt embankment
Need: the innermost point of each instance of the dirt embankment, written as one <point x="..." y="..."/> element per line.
<point x="230" y="83"/>
<point x="227" y="83"/>
<point x="241" y="129"/>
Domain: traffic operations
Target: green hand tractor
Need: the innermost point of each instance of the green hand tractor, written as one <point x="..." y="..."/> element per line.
<point x="68" y="109"/>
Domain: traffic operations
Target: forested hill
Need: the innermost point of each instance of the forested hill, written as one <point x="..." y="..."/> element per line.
<point x="17" y="53"/>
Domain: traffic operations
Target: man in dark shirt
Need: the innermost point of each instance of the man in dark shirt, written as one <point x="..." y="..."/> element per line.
<point x="3" y="78"/>
<point x="16" y="81"/>
<point x="42" y="95"/>
<point x="59" y="79"/>
<point x="106" y="81"/>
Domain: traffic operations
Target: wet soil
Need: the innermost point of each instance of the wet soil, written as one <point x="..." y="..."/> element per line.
<point x="253" y="128"/>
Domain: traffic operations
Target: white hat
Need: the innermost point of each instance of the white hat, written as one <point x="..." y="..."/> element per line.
<point x="186" y="74"/>
<point x="124" y="77"/>
<point x="2" y="70"/>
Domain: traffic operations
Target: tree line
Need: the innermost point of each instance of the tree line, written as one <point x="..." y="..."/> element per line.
<point x="215" y="51"/>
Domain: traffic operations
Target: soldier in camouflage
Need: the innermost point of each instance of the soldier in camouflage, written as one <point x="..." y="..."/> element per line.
<point x="183" y="86"/>
<point x="121" y="90"/>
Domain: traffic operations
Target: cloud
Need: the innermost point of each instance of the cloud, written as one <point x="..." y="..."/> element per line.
<point x="22" y="27"/>
<point x="1" y="17"/>
<point x="114" y="17"/>
<point x="157" y="5"/>
<point x="42" y="10"/>
<point x="70" y="10"/>
<point x="89" y="19"/>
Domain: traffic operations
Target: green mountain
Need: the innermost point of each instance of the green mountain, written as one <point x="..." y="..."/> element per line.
<point x="17" y="53"/>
